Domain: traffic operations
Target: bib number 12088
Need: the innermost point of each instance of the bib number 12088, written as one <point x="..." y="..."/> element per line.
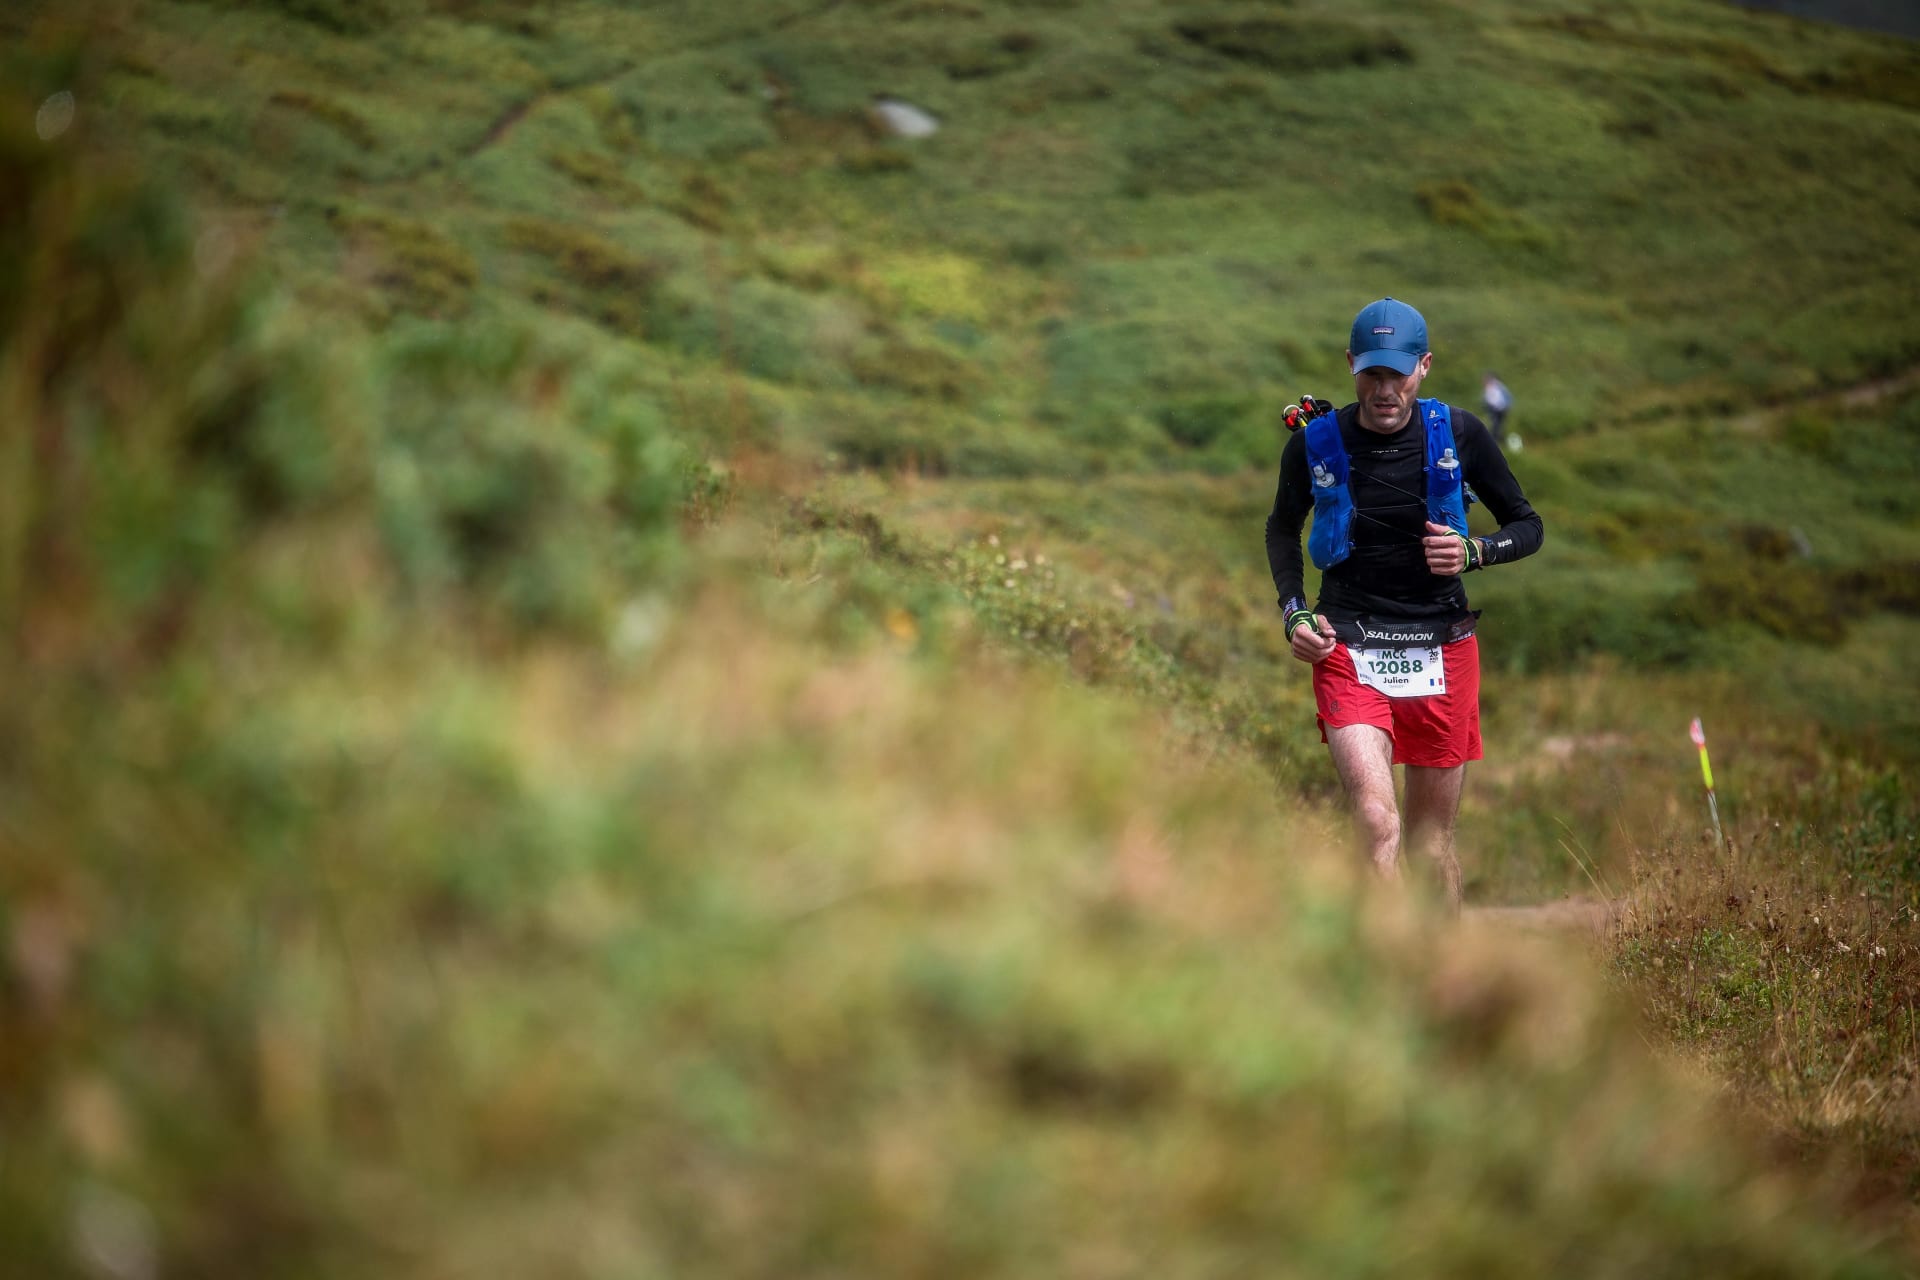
<point x="1401" y="673"/>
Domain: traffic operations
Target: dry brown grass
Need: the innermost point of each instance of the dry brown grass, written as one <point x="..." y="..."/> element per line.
<point x="1797" y="983"/>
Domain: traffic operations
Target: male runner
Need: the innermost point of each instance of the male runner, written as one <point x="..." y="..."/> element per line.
<point x="1396" y="667"/>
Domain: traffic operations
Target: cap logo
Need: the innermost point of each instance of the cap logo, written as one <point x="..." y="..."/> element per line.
<point x="1379" y="329"/>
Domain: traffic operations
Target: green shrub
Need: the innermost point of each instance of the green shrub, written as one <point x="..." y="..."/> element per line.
<point x="890" y="444"/>
<point x="702" y="105"/>
<point x="1743" y="589"/>
<point x="1812" y="434"/>
<point x="817" y="84"/>
<point x="1890" y="585"/>
<point x="918" y="369"/>
<point x="876" y="158"/>
<point x="1459" y="204"/>
<point x="1198" y="422"/>
<point x="702" y="201"/>
<point x="349" y="123"/>
<point x="1558" y="622"/>
<point x="598" y="174"/>
<point x="963" y="444"/>
<point x="447" y="456"/>
<point x="1016" y="451"/>
<point x="749" y="324"/>
<point x="996" y="55"/>
<point x="481" y="490"/>
<point x="342" y="17"/>
<point x="1295" y="46"/>
<point x="598" y="278"/>
<point x="156" y="421"/>
<point x="422" y="270"/>
<point x="520" y="17"/>
<point x="1894" y="79"/>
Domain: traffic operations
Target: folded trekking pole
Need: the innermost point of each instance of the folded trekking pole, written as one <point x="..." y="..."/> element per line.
<point x="1309" y="408"/>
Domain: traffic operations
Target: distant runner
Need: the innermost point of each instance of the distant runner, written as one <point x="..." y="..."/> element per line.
<point x="1396" y="667"/>
<point x="1497" y="399"/>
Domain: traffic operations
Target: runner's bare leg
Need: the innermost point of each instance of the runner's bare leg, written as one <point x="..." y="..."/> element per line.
<point x="1363" y="756"/>
<point x="1433" y="802"/>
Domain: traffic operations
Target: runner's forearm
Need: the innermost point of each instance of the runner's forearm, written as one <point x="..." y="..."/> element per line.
<point x="1521" y="532"/>
<point x="1285" y="562"/>
<point x="1291" y="505"/>
<point x="1513" y="541"/>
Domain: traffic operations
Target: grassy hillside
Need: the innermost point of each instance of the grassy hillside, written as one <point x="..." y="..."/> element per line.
<point x="1674" y="229"/>
<point x="543" y="552"/>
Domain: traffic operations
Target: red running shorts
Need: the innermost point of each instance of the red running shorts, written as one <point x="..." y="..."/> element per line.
<point x="1436" y="732"/>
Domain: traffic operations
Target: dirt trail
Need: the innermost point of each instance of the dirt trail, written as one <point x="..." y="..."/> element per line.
<point x="1849" y="396"/>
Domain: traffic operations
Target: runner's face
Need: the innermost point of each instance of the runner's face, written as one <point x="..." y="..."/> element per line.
<point x="1386" y="397"/>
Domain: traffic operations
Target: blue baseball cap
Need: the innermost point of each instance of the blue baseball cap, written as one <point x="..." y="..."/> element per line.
<point x="1388" y="333"/>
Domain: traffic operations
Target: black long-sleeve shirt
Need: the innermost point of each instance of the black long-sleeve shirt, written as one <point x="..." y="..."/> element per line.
<point x="1386" y="578"/>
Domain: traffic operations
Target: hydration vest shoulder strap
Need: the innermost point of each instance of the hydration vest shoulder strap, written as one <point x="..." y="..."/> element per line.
<point x="1446" y="488"/>
<point x="1326" y="454"/>
<point x="1331" y="539"/>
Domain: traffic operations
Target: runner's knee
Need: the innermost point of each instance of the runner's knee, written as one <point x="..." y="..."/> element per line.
<point x="1378" y="818"/>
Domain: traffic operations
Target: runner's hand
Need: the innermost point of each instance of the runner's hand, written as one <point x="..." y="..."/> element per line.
<point x="1313" y="643"/>
<point x="1446" y="550"/>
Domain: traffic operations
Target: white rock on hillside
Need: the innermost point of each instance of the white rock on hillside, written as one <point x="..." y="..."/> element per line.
<point x="903" y="119"/>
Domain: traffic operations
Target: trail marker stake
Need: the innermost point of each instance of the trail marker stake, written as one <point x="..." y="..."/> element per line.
<point x="1699" y="737"/>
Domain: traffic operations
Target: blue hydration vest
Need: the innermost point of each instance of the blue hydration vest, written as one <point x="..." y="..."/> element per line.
<point x="1331" y="540"/>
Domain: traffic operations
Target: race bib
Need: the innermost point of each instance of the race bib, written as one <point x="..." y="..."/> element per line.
<point x="1401" y="673"/>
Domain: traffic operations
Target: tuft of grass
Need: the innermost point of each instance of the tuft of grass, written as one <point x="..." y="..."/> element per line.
<point x="342" y="17"/>
<point x="420" y="268"/>
<point x="876" y="158"/>
<point x="917" y="370"/>
<point x="349" y="123"/>
<point x="1459" y="204"/>
<point x="1893" y="79"/>
<point x="530" y="18"/>
<point x="704" y="106"/>
<point x="1295" y="45"/>
<point x="599" y="174"/>
<point x="597" y="277"/>
<point x="992" y="56"/>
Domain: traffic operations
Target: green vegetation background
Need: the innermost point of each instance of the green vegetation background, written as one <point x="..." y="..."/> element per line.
<point x="516" y="517"/>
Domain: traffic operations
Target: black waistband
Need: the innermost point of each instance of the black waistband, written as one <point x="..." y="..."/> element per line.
<point x="1380" y="634"/>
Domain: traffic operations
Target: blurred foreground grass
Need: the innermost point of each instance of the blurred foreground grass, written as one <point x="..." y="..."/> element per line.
<point x="740" y="954"/>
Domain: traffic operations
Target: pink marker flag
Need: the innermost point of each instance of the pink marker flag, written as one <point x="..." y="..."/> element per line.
<point x="1699" y="736"/>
